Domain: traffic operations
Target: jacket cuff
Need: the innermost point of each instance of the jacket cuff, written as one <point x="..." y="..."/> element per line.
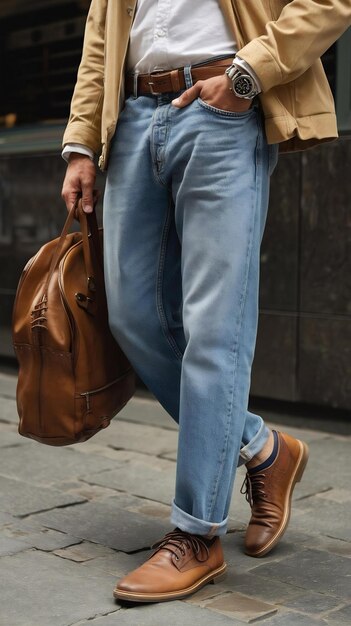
<point x="263" y="64"/>
<point x="78" y="132"/>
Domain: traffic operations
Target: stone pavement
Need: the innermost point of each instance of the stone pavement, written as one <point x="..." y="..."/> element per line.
<point x="73" y="520"/>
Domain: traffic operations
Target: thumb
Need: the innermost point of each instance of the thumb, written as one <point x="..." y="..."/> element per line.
<point x="87" y="199"/>
<point x="188" y="96"/>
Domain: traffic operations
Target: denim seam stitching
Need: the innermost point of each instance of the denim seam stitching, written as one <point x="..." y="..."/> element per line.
<point x="155" y="152"/>
<point x="222" y="112"/>
<point x="159" y="284"/>
<point x="236" y="346"/>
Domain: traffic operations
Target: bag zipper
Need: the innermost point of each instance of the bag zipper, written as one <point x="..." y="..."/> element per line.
<point x="87" y="394"/>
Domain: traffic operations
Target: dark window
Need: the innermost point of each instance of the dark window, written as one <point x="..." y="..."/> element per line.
<point x="40" y="49"/>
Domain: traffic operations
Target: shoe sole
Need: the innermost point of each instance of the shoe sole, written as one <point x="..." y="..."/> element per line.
<point x="296" y="477"/>
<point x="213" y="577"/>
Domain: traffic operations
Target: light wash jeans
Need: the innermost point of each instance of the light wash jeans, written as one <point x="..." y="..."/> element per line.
<point x="184" y="211"/>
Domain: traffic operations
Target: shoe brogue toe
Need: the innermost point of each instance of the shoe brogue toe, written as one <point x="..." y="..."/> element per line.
<point x="180" y="565"/>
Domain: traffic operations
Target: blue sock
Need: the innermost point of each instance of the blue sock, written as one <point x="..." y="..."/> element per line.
<point x="270" y="459"/>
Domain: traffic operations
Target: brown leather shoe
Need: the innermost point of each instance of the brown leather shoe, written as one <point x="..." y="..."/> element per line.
<point x="269" y="494"/>
<point x="181" y="564"/>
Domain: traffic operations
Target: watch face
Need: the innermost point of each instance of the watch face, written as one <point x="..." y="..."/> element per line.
<point x="243" y="85"/>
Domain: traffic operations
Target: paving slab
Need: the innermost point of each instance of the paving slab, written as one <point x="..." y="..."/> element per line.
<point x="108" y="523"/>
<point x="266" y="589"/>
<point x="331" y="517"/>
<point x="45" y="465"/>
<point x="8" y="384"/>
<point x="333" y="452"/>
<point x="8" y="411"/>
<point x="145" y="410"/>
<point x="45" y="539"/>
<point x="243" y="608"/>
<point x="293" y="619"/>
<point x="124" y="435"/>
<point x="329" y="544"/>
<point x="175" y="613"/>
<point x="8" y="545"/>
<point x="20" y="498"/>
<point x="313" y="603"/>
<point x="314" y="570"/>
<point x="10" y="438"/>
<point x="5" y="519"/>
<point x="89" y="492"/>
<point x="26" y="525"/>
<point x="84" y="551"/>
<point x="44" y="590"/>
<point x="335" y="495"/>
<point x="170" y="456"/>
<point x="341" y="617"/>
<point x="140" y="475"/>
<point x="149" y="508"/>
<point x="118" y="564"/>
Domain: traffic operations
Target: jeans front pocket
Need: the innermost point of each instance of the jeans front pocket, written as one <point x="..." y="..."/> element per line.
<point x="223" y="113"/>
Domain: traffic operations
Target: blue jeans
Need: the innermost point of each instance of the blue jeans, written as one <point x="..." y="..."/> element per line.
<point x="184" y="211"/>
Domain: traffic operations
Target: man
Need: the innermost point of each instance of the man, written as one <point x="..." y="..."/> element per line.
<point x="188" y="168"/>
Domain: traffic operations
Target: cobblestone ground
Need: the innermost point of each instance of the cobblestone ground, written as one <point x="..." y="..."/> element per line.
<point x="73" y="520"/>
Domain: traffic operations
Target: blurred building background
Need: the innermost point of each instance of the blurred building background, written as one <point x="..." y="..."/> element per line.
<point x="303" y="351"/>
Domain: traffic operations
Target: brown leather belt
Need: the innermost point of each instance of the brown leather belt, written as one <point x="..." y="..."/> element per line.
<point x="172" y="81"/>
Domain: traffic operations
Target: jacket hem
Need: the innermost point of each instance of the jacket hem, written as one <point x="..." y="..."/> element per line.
<point x="307" y="131"/>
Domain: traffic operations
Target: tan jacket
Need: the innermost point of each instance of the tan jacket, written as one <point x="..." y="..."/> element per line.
<point x="281" y="40"/>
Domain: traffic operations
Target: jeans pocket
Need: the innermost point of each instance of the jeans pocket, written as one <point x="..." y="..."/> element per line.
<point x="223" y="113"/>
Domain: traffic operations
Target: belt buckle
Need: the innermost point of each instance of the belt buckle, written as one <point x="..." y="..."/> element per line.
<point x="151" y="84"/>
<point x="154" y="93"/>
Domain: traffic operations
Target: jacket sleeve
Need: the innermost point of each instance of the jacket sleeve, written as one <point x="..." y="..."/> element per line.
<point x="304" y="30"/>
<point x="84" y="124"/>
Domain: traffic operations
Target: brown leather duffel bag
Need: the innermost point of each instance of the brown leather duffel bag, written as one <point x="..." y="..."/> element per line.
<point x="73" y="377"/>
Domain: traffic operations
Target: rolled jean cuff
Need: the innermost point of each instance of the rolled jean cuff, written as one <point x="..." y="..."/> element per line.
<point x="195" y="526"/>
<point x="255" y="445"/>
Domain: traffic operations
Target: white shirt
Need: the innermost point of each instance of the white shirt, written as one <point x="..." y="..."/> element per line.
<point x="167" y="34"/>
<point x="172" y="33"/>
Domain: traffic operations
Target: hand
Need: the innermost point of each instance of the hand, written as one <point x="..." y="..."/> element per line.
<point x="80" y="180"/>
<point x="216" y="92"/>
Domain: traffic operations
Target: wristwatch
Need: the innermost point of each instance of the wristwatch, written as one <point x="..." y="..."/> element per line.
<point x="243" y="85"/>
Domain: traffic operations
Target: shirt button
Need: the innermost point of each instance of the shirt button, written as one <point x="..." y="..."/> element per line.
<point x="160" y="33"/>
<point x="130" y="11"/>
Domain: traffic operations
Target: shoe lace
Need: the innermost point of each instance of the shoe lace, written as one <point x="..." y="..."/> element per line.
<point x="253" y="488"/>
<point x="178" y="540"/>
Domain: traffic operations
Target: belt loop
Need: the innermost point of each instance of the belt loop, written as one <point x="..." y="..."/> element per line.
<point x="175" y="81"/>
<point x="135" y="84"/>
<point x="188" y="77"/>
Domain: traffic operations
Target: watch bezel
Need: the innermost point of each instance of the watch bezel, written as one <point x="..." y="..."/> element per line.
<point x="234" y="74"/>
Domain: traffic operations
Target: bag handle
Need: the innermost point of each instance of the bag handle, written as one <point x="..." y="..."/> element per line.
<point x="88" y="223"/>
